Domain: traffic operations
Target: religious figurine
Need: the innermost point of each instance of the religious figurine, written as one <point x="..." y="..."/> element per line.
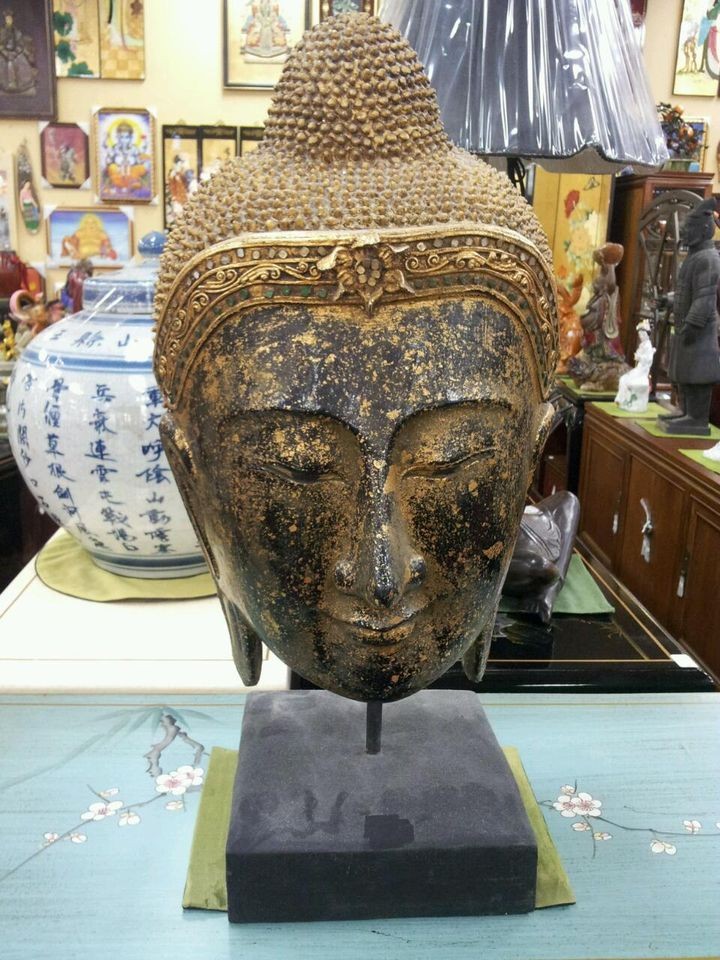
<point x="634" y="387"/>
<point x="71" y="294"/>
<point x="601" y="362"/>
<point x="542" y="553"/>
<point x="694" y="355"/>
<point x="356" y="340"/>
<point x="32" y="315"/>
<point x="570" y="328"/>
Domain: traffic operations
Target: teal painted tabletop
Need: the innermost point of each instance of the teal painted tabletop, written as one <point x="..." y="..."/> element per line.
<point x="98" y="797"/>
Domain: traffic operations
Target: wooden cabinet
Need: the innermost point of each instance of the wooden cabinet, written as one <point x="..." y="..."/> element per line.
<point x="632" y="196"/>
<point x="653" y="516"/>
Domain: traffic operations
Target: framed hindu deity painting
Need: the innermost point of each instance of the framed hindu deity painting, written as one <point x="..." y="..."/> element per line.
<point x="99" y="39"/>
<point x="65" y="155"/>
<point x="329" y="8"/>
<point x="124" y="151"/>
<point x="192" y="154"/>
<point x="250" y="139"/>
<point x="258" y="35"/>
<point x="27" y="75"/>
<point x="100" y="234"/>
<point x="697" y="63"/>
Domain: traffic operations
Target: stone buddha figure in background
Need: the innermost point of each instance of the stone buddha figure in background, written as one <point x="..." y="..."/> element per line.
<point x="356" y="336"/>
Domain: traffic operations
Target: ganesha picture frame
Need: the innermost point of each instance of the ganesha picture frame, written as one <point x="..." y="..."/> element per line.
<point x="124" y="155"/>
<point x="257" y="38"/>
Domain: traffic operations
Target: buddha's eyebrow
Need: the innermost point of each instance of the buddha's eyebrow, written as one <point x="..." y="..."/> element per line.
<point x="493" y="404"/>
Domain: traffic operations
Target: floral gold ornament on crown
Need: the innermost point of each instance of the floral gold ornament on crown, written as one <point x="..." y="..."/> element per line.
<point x="355" y="197"/>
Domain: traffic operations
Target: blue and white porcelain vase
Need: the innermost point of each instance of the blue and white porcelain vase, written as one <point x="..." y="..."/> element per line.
<point x="83" y="415"/>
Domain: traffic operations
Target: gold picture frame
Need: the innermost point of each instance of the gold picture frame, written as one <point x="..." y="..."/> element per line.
<point x="125" y="164"/>
<point x="256" y="42"/>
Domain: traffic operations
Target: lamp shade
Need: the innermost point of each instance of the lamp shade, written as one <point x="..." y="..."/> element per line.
<point x="563" y="83"/>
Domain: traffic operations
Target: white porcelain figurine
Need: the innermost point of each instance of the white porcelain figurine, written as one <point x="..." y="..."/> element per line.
<point x="634" y="387"/>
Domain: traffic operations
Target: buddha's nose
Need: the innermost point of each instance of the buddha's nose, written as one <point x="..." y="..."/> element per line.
<point x="382" y="564"/>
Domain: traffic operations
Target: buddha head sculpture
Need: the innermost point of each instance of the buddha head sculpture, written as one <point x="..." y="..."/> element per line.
<point x="355" y="338"/>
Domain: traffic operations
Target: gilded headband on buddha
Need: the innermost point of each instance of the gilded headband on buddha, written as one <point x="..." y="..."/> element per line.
<point x="358" y="268"/>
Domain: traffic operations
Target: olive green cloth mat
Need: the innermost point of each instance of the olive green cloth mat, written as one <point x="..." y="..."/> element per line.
<point x="580" y="594"/>
<point x="609" y="406"/>
<point x="697" y="456"/>
<point x="587" y="394"/>
<point x="64" y="565"/>
<point x="653" y="428"/>
<point x="205" y="884"/>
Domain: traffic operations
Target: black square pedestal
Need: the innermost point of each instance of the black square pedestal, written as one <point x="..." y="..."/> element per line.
<point x="433" y="825"/>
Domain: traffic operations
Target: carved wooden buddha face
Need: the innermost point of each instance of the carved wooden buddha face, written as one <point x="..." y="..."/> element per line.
<point x="360" y="482"/>
<point x="356" y="334"/>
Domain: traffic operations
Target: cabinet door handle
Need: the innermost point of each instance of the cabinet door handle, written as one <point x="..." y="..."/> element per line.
<point x="646" y="531"/>
<point x="682" y="579"/>
<point x="616" y="515"/>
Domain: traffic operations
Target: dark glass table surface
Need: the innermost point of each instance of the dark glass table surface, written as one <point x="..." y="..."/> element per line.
<point x="623" y="652"/>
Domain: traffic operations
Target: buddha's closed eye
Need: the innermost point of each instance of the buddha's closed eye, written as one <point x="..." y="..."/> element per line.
<point x="436" y="470"/>
<point x="294" y="473"/>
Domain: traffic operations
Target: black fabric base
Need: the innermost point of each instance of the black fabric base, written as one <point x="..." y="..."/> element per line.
<point x="433" y="825"/>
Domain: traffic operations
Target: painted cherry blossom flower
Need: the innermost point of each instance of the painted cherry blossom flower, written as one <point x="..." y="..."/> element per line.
<point x="601" y="835"/>
<point x="49" y="838"/>
<point x="580" y="825"/>
<point x="192" y="775"/>
<point x="98" y="811"/>
<point x="175" y="805"/>
<point x="172" y="783"/>
<point x="660" y="846"/>
<point x="692" y="826"/>
<point x="567" y="789"/>
<point x="128" y="818"/>
<point x="110" y="792"/>
<point x="585" y="806"/>
<point x="566" y="806"/>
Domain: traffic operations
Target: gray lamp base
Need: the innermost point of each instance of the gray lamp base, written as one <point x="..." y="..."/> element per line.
<point x="433" y="825"/>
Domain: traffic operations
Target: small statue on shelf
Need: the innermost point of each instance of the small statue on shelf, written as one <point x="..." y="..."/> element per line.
<point x="634" y="387"/>
<point x="71" y="293"/>
<point x="32" y="314"/>
<point x="570" y="328"/>
<point x="601" y="362"/>
<point x="694" y="354"/>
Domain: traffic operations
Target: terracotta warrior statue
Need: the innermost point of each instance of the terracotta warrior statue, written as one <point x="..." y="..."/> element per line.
<point x="694" y="355"/>
<point x="356" y="338"/>
<point x="601" y="361"/>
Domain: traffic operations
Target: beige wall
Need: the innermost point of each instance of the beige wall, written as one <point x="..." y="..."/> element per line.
<point x="184" y="83"/>
<point x="184" y="72"/>
<point x="662" y="31"/>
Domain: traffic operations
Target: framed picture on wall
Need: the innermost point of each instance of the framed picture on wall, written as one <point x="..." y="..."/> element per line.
<point x="100" y="234"/>
<point x="697" y="63"/>
<point x="329" y="8"/>
<point x="124" y="151"/>
<point x="27" y="75"/>
<point x="258" y="35"/>
<point x="99" y="38"/>
<point x="192" y="154"/>
<point x="8" y="237"/>
<point x="250" y="137"/>
<point x="65" y="155"/>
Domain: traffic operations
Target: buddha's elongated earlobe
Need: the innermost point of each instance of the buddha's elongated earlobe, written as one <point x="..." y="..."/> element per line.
<point x="475" y="657"/>
<point x="246" y="645"/>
